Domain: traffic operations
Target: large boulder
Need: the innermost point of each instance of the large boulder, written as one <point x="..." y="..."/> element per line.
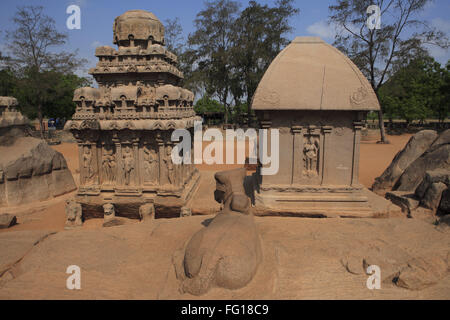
<point x="430" y="189"/>
<point x="30" y="171"/>
<point x="438" y="157"/>
<point x="416" y="146"/>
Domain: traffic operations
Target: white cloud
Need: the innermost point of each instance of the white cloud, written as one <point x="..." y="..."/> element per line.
<point x="328" y="31"/>
<point x="322" y="29"/>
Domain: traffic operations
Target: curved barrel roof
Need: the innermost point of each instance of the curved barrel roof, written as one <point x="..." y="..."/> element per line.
<point x="310" y="74"/>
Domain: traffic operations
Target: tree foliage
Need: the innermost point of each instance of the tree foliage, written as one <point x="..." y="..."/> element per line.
<point x="380" y="52"/>
<point x="31" y="47"/>
<point x="417" y="91"/>
<point x="230" y="49"/>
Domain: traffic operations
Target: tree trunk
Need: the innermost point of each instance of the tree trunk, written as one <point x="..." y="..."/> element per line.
<point x="226" y="111"/>
<point x="382" y="130"/>
<point x="381" y="123"/>
<point x="249" y="111"/>
<point x="41" y="121"/>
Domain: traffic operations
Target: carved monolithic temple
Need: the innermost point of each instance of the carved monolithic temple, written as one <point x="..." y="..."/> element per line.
<point x="316" y="97"/>
<point x="124" y="127"/>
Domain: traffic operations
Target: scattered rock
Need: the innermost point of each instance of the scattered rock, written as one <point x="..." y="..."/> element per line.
<point x="7" y="220"/>
<point x="415" y="147"/>
<point x="434" y="176"/>
<point x="404" y="200"/>
<point x="432" y="197"/>
<point x="438" y="158"/>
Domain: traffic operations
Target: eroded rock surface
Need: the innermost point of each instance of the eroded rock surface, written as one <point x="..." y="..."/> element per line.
<point x="30" y="171"/>
<point x="416" y="146"/>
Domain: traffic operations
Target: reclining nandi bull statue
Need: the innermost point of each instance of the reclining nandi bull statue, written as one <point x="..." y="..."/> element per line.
<point x="227" y="252"/>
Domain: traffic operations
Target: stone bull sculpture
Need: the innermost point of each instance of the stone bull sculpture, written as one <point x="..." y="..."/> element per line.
<point x="227" y="252"/>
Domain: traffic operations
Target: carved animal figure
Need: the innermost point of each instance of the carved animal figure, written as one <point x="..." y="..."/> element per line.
<point x="73" y="214"/>
<point x="227" y="253"/>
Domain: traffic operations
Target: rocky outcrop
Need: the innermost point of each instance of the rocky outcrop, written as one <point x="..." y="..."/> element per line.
<point x="32" y="171"/>
<point x="416" y="146"/>
<point x="436" y="158"/>
<point x="417" y="176"/>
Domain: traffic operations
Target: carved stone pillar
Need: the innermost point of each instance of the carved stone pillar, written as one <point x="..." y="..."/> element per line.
<point x="325" y="154"/>
<point x="80" y="160"/>
<point x="357" y="126"/>
<point x="297" y="166"/>
<point x="119" y="166"/>
<point x="161" y="150"/>
<point x="267" y="125"/>
<point x="98" y="153"/>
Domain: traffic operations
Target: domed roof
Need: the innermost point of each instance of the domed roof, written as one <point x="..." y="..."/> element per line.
<point x="140" y="24"/>
<point x="310" y="74"/>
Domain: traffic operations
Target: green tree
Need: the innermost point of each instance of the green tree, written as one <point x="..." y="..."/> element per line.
<point x="206" y="104"/>
<point x="258" y="38"/>
<point x="415" y="92"/>
<point x="7" y="82"/>
<point x="379" y="53"/>
<point x="211" y="43"/>
<point x="31" y="48"/>
<point x="55" y="93"/>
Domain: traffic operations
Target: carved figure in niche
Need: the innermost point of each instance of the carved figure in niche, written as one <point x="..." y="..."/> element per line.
<point x="123" y="100"/>
<point x="128" y="164"/>
<point x="227" y="252"/>
<point x="109" y="165"/>
<point x="87" y="165"/>
<point x="150" y="164"/>
<point x="169" y="164"/>
<point x="311" y="151"/>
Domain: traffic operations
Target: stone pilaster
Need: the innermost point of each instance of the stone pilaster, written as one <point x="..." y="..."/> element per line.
<point x="357" y="126"/>
<point x="297" y="166"/>
<point x="324" y="156"/>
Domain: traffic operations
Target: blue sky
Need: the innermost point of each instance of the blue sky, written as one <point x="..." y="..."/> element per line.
<point x="97" y="17"/>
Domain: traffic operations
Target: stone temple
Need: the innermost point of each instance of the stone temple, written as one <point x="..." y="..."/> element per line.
<point x="123" y="127"/>
<point x="317" y="98"/>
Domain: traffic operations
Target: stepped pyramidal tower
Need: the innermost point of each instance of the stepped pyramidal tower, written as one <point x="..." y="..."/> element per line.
<point x="123" y="127"/>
